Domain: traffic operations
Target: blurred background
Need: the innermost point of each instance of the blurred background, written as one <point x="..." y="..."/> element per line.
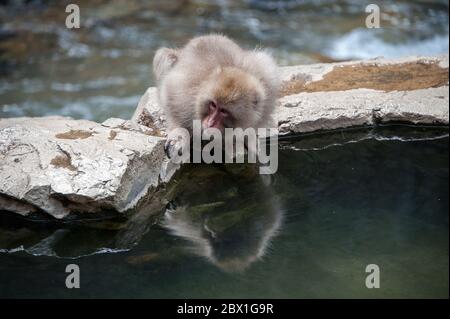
<point x="102" y="69"/>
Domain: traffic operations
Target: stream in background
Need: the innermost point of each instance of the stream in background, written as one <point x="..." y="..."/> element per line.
<point x="102" y="69"/>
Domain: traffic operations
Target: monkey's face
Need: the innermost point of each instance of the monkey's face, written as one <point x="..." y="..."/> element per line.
<point x="230" y="97"/>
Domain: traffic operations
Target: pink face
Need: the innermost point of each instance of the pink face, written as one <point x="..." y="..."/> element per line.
<point x="215" y="117"/>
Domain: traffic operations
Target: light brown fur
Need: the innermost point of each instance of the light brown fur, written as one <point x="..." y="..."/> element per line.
<point x="214" y="68"/>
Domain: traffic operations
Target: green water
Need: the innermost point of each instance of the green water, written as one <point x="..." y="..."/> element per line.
<point x="339" y="202"/>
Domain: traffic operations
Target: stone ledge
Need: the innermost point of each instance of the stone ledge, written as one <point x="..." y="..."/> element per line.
<point x="307" y="112"/>
<point x="338" y="95"/>
<point x="58" y="165"/>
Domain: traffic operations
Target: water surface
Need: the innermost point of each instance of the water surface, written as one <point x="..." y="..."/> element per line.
<point x="339" y="202"/>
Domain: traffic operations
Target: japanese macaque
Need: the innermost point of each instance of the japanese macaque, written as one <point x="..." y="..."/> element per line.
<point x="215" y="81"/>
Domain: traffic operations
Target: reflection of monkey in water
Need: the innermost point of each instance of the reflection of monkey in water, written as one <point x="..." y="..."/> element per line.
<point x="213" y="80"/>
<point x="226" y="220"/>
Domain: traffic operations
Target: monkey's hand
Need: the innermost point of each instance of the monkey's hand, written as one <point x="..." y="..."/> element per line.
<point x="175" y="145"/>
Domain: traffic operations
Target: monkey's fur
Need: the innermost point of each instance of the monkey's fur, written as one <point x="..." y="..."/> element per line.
<point x="213" y="80"/>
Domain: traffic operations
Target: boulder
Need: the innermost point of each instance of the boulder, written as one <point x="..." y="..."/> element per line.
<point x="59" y="165"/>
<point x="338" y="95"/>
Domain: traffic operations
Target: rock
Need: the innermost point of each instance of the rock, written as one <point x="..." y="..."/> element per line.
<point x="338" y="95"/>
<point x="58" y="165"/>
<point x="148" y="113"/>
<point x="307" y="112"/>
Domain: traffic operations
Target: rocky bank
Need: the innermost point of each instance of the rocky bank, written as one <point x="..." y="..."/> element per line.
<point x="58" y="166"/>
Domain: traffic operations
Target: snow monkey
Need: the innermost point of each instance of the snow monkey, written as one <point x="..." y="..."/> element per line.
<point x="213" y="80"/>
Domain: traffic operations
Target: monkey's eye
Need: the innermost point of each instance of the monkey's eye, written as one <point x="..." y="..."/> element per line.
<point x="212" y="106"/>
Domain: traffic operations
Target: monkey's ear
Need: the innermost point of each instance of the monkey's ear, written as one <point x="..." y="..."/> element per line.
<point x="163" y="61"/>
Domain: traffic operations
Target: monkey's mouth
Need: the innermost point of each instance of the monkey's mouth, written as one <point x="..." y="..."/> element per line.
<point x="215" y="117"/>
<point x="209" y="122"/>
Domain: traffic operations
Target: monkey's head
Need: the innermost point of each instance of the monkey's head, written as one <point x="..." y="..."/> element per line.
<point x="230" y="97"/>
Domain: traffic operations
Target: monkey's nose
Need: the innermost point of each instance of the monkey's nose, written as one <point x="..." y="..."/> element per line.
<point x="212" y="106"/>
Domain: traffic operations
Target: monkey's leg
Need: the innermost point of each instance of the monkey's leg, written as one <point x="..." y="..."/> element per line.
<point x="163" y="61"/>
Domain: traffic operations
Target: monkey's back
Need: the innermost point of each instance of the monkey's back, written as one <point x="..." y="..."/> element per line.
<point x="211" y="51"/>
<point x="197" y="60"/>
<point x="203" y="54"/>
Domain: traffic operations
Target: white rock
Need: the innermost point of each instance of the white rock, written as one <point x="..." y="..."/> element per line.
<point x="59" y="165"/>
<point x="306" y="112"/>
<point x="88" y="172"/>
